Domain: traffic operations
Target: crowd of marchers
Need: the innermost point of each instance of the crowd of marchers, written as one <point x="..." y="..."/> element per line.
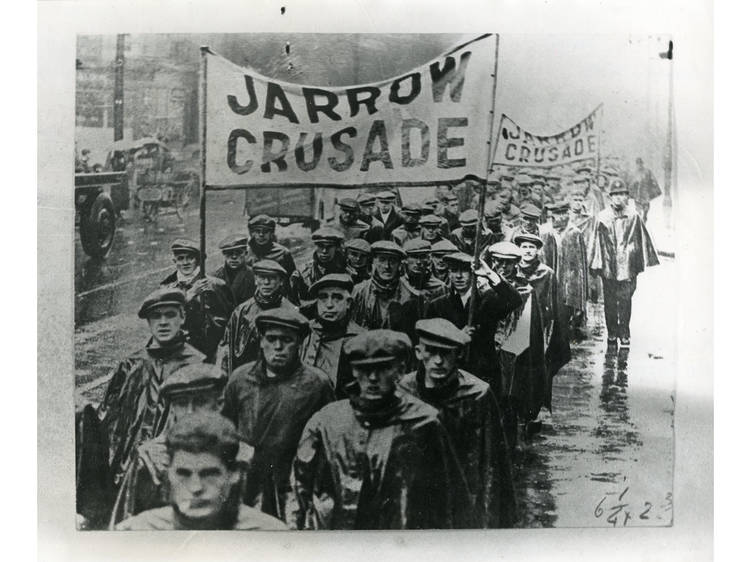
<point x="386" y="384"/>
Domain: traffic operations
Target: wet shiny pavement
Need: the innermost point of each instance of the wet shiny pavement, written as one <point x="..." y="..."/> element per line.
<point x="605" y="454"/>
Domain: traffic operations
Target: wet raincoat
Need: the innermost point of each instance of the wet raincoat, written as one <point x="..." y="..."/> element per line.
<point x="206" y="313"/>
<point x="241" y="341"/>
<point x="270" y="414"/>
<point x="391" y="467"/>
<point x="494" y="305"/>
<point x="322" y="349"/>
<point x="621" y="247"/>
<point x="375" y="307"/>
<point x="240" y="282"/>
<point x="471" y="416"/>
<point x="565" y="252"/>
<point x="132" y="411"/>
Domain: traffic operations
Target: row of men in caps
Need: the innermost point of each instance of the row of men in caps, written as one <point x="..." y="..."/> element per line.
<point x="185" y="448"/>
<point x="523" y="387"/>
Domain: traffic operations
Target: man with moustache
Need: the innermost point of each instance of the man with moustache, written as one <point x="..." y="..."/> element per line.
<point x="240" y="343"/>
<point x="380" y="459"/>
<point x="358" y="265"/>
<point x="270" y="401"/>
<point x="330" y="329"/>
<point x="621" y="249"/>
<point x="236" y="272"/>
<point x="202" y="472"/>
<point x="471" y="416"/>
<point x="208" y="300"/>
<point x="132" y="410"/>
<point x="418" y="278"/>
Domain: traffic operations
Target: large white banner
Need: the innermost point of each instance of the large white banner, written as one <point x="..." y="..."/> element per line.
<point x="427" y="126"/>
<point x="518" y="147"/>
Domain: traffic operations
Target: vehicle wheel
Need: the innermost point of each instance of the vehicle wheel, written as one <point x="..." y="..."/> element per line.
<point x="98" y="227"/>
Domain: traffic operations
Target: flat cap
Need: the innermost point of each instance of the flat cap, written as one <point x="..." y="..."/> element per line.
<point x="580" y="179"/>
<point x="417" y="246"/>
<point x="582" y="170"/>
<point x="431" y="202"/>
<point x="444" y="247"/>
<point x="530" y="211"/>
<point x="505" y="250"/>
<point x="386" y="195"/>
<point x="523" y="179"/>
<point x="430" y="220"/>
<point x="166" y="296"/>
<point x="327" y="234"/>
<point x="617" y="186"/>
<point x="522" y="237"/>
<point x="387" y="247"/>
<point x="468" y="218"/>
<point x="365" y="198"/>
<point x="559" y="206"/>
<point x="261" y="221"/>
<point x="269" y="266"/>
<point x="194" y="377"/>
<point x="186" y="246"/>
<point x="358" y="245"/>
<point x="439" y="332"/>
<point x="450" y="197"/>
<point x="377" y="346"/>
<point x="233" y="242"/>
<point x="426" y="209"/>
<point x="609" y="171"/>
<point x="460" y="258"/>
<point x="285" y="318"/>
<point x="553" y="177"/>
<point x="411" y="209"/>
<point x="341" y="280"/>
<point x="348" y="204"/>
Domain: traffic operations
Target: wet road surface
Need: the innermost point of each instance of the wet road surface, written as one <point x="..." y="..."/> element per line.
<point x="605" y="454"/>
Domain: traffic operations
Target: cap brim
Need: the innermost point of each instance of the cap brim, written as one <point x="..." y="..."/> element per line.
<point x="373" y="360"/>
<point x="143" y="312"/>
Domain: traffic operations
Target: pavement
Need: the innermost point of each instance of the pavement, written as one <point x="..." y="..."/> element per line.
<point x="606" y="452"/>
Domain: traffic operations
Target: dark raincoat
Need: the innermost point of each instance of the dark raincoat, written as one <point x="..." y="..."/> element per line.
<point x="392" y="468"/>
<point x="206" y="313"/>
<point x="322" y="349"/>
<point x="621" y="247"/>
<point x="376" y="231"/>
<point x="359" y="229"/>
<point x="494" y="305"/>
<point x="132" y="411"/>
<point x="273" y="251"/>
<point x="471" y="416"/>
<point x="270" y="415"/>
<point x="394" y="221"/>
<point x="240" y="282"/>
<point x="466" y="245"/>
<point x="372" y="310"/>
<point x="302" y="280"/>
<point x="241" y="341"/>
<point x="556" y="334"/>
<point x="566" y="254"/>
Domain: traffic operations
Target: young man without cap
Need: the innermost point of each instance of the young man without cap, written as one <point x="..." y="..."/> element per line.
<point x="202" y="472"/>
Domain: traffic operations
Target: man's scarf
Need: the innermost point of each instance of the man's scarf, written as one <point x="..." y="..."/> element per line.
<point x="272" y="301"/>
<point x="384" y="289"/>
